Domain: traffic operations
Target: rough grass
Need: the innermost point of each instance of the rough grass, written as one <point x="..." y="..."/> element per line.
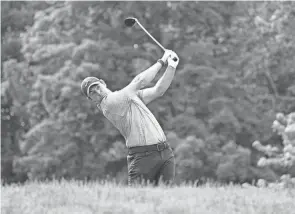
<point x="78" y="197"/>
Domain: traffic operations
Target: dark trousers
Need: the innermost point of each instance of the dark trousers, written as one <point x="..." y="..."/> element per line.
<point x="151" y="164"/>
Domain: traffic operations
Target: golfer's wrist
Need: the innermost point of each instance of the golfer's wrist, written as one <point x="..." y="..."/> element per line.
<point x="161" y="61"/>
<point x="172" y="66"/>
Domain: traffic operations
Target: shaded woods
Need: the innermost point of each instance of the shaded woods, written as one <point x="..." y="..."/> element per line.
<point x="236" y="72"/>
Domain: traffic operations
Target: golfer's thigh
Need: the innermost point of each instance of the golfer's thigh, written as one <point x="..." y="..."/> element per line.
<point x="141" y="167"/>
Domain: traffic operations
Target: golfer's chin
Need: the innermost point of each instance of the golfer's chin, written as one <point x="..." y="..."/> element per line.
<point x="96" y="98"/>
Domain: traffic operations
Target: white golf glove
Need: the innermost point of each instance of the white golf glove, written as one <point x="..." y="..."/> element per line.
<point x="171" y="61"/>
<point x="166" y="55"/>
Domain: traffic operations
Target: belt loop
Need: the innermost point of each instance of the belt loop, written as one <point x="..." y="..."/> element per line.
<point x="158" y="147"/>
<point x="165" y="144"/>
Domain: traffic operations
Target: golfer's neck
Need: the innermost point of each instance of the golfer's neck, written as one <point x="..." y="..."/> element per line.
<point x="106" y="92"/>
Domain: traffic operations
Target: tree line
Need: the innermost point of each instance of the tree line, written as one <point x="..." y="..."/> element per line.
<point x="236" y="73"/>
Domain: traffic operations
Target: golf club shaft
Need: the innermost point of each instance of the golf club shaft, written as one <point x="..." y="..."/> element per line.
<point x="158" y="43"/>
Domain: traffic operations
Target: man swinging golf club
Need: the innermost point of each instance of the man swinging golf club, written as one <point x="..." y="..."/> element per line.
<point x="150" y="157"/>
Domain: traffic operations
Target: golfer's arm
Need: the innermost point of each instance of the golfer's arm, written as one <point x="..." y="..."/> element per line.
<point x="145" y="77"/>
<point x="149" y="94"/>
<point x="165" y="81"/>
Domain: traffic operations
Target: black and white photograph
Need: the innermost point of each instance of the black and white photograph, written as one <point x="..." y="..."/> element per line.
<point x="147" y="107"/>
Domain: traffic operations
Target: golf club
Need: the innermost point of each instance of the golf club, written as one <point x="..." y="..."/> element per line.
<point x="130" y="21"/>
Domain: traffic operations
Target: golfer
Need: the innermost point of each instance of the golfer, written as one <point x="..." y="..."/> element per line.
<point x="150" y="158"/>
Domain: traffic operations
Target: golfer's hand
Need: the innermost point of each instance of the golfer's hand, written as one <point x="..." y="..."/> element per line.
<point x="171" y="61"/>
<point x="166" y="55"/>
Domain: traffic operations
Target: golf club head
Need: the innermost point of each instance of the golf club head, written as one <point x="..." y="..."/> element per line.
<point x="130" y="21"/>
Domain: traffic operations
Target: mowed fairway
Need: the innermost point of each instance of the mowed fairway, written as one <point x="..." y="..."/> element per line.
<point x="76" y="197"/>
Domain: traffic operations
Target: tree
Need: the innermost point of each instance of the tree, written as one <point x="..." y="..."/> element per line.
<point x="283" y="157"/>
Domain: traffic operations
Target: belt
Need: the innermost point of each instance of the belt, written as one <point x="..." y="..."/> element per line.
<point x="148" y="148"/>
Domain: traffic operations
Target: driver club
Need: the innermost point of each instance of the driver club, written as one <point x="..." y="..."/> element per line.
<point x="130" y="22"/>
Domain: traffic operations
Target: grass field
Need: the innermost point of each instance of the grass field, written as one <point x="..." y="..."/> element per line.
<point x="77" y="197"/>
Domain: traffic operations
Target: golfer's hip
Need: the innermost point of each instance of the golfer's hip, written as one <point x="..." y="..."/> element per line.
<point x="149" y="138"/>
<point x="150" y="163"/>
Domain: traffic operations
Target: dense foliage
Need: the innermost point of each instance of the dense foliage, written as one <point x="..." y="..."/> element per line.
<point x="281" y="157"/>
<point x="236" y="71"/>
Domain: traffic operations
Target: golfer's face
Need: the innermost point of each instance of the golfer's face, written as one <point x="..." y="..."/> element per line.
<point x="96" y="91"/>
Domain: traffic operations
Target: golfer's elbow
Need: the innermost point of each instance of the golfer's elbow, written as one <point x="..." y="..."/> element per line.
<point x="139" y="82"/>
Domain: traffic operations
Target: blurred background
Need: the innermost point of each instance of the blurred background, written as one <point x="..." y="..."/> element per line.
<point x="235" y="85"/>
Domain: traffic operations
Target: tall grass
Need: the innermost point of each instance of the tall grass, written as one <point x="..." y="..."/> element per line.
<point x="70" y="197"/>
